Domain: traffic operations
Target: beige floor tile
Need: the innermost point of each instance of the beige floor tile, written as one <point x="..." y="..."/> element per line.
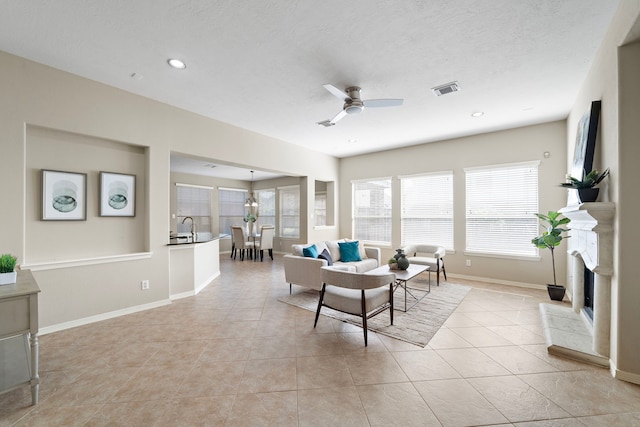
<point x="517" y="360"/>
<point x="128" y="413"/>
<point x="395" y="404"/>
<point x="275" y="347"/>
<point x="213" y="379"/>
<point x="424" y="365"/>
<point x="319" y="345"/>
<point x="268" y="375"/>
<point x="518" y="335"/>
<point x="516" y="400"/>
<point x="201" y="411"/>
<point x="631" y="419"/>
<point x="331" y="407"/>
<point x="471" y="362"/>
<point x="212" y="359"/>
<point x="457" y="403"/>
<point x="353" y="342"/>
<point x="68" y="416"/>
<point x="374" y="368"/>
<point x="323" y="371"/>
<point x="446" y="338"/>
<point x="226" y="350"/>
<point x="481" y="337"/>
<point x="587" y="392"/>
<point x="264" y="409"/>
<point x="152" y="383"/>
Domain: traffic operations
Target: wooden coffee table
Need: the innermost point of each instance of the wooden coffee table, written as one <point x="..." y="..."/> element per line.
<point x="402" y="277"/>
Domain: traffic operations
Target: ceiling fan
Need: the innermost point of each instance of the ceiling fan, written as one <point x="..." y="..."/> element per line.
<point x="353" y="104"/>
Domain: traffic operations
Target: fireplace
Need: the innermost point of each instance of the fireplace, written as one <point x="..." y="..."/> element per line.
<point x="583" y="331"/>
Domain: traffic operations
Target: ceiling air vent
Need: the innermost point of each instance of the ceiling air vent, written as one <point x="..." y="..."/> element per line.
<point x="446" y="88"/>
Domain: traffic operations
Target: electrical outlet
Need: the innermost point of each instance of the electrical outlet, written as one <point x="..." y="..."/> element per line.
<point x="144" y="285"/>
<point x="468" y="263"/>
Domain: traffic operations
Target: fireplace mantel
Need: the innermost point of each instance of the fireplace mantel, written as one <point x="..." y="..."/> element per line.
<point x="590" y="246"/>
<point x="592" y="235"/>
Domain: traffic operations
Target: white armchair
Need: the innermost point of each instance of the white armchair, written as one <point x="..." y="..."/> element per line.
<point x="430" y="255"/>
<point x="359" y="294"/>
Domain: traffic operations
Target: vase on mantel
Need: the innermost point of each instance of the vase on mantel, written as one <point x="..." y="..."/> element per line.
<point x="588" y="195"/>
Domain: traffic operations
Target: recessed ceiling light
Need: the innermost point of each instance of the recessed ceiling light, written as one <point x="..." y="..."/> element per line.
<point x="176" y="63"/>
<point x="477" y="114"/>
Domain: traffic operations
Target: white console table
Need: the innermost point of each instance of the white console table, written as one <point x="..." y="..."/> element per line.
<point x="19" y="335"/>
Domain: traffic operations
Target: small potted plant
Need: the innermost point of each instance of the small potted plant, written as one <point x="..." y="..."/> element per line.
<point x="550" y="239"/>
<point x="7" y="269"/>
<point x="587" y="191"/>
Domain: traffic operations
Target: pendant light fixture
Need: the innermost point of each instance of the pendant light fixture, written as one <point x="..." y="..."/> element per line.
<point x="251" y="201"/>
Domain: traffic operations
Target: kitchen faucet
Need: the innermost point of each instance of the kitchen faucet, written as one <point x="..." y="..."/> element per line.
<point x="193" y="228"/>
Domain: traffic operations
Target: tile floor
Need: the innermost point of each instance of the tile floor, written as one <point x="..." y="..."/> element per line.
<point x="235" y="356"/>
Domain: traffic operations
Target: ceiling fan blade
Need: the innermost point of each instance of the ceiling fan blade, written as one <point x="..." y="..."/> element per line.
<point x="338" y="116"/>
<point x="340" y="94"/>
<point x="378" y="103"/>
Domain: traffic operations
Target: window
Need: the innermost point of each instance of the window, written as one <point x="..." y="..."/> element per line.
<point x="195" y="202"/>
<point x="289" y="211"/>
<point x="427" y="209"/>
<point x="231" y="207"/>
<point x="371" y="215"/>
<point x="501" y="202"/>
<point x="266" y="207"/>
<point x="320" y="209"/>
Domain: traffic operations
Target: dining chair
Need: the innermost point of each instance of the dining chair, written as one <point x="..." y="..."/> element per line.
<point x="267" y="232"/>
<point x="241" y="242"/>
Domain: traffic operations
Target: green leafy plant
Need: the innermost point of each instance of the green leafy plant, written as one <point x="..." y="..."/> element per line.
<point x="589" y="180"/>
<point x="552" y="236"/>
<point x="7" y="263"/>
<point x="250" y="217"/>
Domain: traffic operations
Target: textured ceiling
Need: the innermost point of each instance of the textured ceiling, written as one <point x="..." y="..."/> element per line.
<point x="260" y="65"/>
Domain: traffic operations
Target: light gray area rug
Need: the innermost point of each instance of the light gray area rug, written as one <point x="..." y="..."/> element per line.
<point x="417" y="326"/>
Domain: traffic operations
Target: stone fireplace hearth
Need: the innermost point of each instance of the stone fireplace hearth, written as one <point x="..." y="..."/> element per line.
<point x="576" y="332"/>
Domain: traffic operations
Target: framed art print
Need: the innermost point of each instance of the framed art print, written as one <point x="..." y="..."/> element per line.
<point x="117" y="194"/>
<point x="64" y="196"/>
<point x="585" y="147"/>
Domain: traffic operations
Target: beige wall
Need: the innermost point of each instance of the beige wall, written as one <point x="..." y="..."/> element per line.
<point x="613" y="78"/>
<point x="36" y="96"/>
<point x="510" y="146"/>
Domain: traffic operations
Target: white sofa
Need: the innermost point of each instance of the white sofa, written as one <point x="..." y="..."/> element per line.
<point x="305" y="271"/>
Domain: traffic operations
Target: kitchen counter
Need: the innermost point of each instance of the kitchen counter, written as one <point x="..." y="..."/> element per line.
<point x="186" y="240"/>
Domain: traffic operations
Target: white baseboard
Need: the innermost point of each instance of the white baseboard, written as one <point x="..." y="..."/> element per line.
<point x="100" y="317"/>
<point x="498" y="281"/>
<point x="622" y="375"/>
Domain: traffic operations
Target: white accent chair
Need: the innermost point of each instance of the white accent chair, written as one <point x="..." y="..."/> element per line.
<point x="267" y="232"/>
<point x="431" y="255"/>
<point x="360" y="294"/>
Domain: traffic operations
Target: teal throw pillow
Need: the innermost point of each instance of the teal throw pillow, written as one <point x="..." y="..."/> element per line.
<point x="349" y="251"/>
<point x="310" y="251"/>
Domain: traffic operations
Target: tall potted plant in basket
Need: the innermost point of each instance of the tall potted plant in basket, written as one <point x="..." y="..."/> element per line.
<point x="550" y="239"/>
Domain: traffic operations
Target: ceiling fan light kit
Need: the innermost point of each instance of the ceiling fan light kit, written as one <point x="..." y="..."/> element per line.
<point x="353" y="104"/>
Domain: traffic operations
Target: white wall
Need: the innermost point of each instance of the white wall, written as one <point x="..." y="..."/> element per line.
<point x="36" y="96"/>
<point x="510" y="146"/>
<point x="613" y="78"/>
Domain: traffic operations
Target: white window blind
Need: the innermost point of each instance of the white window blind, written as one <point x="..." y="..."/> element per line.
<point x="427" y="209"/>
<point x="501" y="202"/>
<point x="289" y="211"/>
<point x="231" y="208"/>
<point x="371" y="215"/>
<point x="195" y="202"/>
<point x="266" y="207"/>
